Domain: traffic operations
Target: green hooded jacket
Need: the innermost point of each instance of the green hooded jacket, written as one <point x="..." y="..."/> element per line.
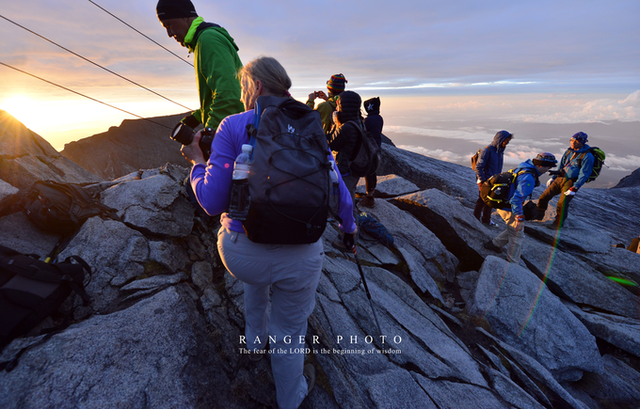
<point x="217" y="64"/>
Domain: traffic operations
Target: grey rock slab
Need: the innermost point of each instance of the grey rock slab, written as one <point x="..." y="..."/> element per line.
<point x="397" y="389"/>
<point x="149" y="355"/>
<point x="406" y="229"/>
<point x="537" y="371"/>
<point x="19" y="234"/>
<point x="619" y="331"/>
<point x="510" y="392"/>
<point x="618" y="262"/>
<point x="524" y="313"/>
<point x="455" y="395"/>
<point x="173" y="257"/>
<point x="388" y="186"/>
<point x="423" y="278"/>
<point x="156" y="282"/>
<point x="7" y="194"/>
<point x="427" y="173"/>
<point x="453" y="223"/>
<point x="101" y="243"/>
<point x="571" y="278"/>
<point x="153" y="203"/>
<point x="202" y="274"/>
<point x="618" y="384"/>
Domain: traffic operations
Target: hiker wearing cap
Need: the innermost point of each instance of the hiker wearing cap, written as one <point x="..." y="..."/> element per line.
<point x="575" y="168"/>
<point x="335" y="86"/>
<point x="216" y="61"/>
<point x="344" y="134"/>
<point x="373" y="123"/>
<point x="513" y="236"/>
<point x="490" y="161"/>
<point x="284" y="276"/>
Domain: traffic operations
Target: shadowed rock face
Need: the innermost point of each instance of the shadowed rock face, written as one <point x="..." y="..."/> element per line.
<point x="631" y="180"/>
<point x="133" y="145"/>
<point x="26" y="157"/>
<point x="460" y="326"/>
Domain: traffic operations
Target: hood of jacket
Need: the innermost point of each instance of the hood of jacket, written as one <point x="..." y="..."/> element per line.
<point x="528" y="164"/>
<point x="198" y="26"/>
<point x="499" y="139"/>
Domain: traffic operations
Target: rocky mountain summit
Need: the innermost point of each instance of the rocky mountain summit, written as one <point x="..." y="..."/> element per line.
<point x="461" y="327"/>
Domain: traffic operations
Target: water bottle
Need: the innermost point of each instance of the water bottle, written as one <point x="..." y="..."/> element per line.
<point x="334" y="199"/>
<point x="239" y="198"/>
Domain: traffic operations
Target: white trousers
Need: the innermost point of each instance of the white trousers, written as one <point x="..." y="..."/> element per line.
<point x="292" y="272"/>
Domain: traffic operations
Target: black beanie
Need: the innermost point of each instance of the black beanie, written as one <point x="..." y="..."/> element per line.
<point x="168" y="9"/>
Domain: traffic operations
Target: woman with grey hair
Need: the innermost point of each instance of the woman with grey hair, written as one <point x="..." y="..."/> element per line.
<point x="290" y="271"/>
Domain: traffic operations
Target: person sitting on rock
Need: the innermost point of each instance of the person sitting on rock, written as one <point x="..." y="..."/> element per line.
<point x="489" y="163"/>
<point x="335" y="86"/>
<point x="513" y="235"/>
<point x="575" y="167"/>
<point x="374" y="123"/>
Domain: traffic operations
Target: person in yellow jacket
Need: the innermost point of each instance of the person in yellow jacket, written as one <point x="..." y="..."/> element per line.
<point x="216" y="61"/>
<point x="335" y="86"/>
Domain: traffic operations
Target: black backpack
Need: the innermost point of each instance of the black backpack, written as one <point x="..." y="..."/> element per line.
<point x="495" y="190"/>
<point x="31" y="290"/>
<point x="61" y="208"/>
<point x="289" y="181"/>
<point x="366" y="156"/>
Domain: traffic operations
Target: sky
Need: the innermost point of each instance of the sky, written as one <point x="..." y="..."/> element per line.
<point x="442" y="69"/>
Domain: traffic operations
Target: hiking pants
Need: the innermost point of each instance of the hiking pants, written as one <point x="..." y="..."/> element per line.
<point x="557" y="187"/>
<point x="371" y="182"/>
<point x="292" y="272"/>
<point x="510" y="236"/>
<point x="482" y="211"/>
<point x="351" y="182"/>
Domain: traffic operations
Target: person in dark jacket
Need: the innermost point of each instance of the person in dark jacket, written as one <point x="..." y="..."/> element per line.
<point x="490" y="163"/>
<point x="575" y="167"/>
<point x="344" y="134"/>
<point x="527" y="179"/>
<point x="373" y="123"/>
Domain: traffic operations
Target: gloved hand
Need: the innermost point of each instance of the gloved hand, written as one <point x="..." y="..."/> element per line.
<point x="349" y="240"/>
<point x="571" y="191"/>
<point x="550" y="181"/>
<point x="519" y="222"/>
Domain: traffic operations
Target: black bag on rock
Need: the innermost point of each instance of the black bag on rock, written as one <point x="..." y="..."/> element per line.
<point x="31" y="290"/>
<point x="61" y="208"/>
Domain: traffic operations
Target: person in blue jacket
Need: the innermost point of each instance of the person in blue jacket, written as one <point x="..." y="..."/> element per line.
<point x="575" y="168"/>
<point x="527" y="179"/>
<point x="490" y="163"/>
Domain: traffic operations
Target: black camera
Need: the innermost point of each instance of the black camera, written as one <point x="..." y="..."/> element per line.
<point x="183" y="133"/>
<point x="556" y="172"/>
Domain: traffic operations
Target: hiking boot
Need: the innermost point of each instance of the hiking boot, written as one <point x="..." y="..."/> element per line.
<point x="491" y="223"/>
<point x="309" y="373"/>
<point x="367" y="201"/>
<point x="490" y="246"/>
<point x="538" y="214"/>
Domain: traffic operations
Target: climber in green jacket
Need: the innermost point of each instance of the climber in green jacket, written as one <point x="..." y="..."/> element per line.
<point x="216" y="61"/>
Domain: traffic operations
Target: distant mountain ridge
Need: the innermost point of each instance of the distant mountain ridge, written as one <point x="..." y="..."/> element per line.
<point x="135" y="144"/>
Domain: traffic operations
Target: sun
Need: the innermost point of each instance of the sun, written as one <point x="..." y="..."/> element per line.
<point x="19" y="106"/>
